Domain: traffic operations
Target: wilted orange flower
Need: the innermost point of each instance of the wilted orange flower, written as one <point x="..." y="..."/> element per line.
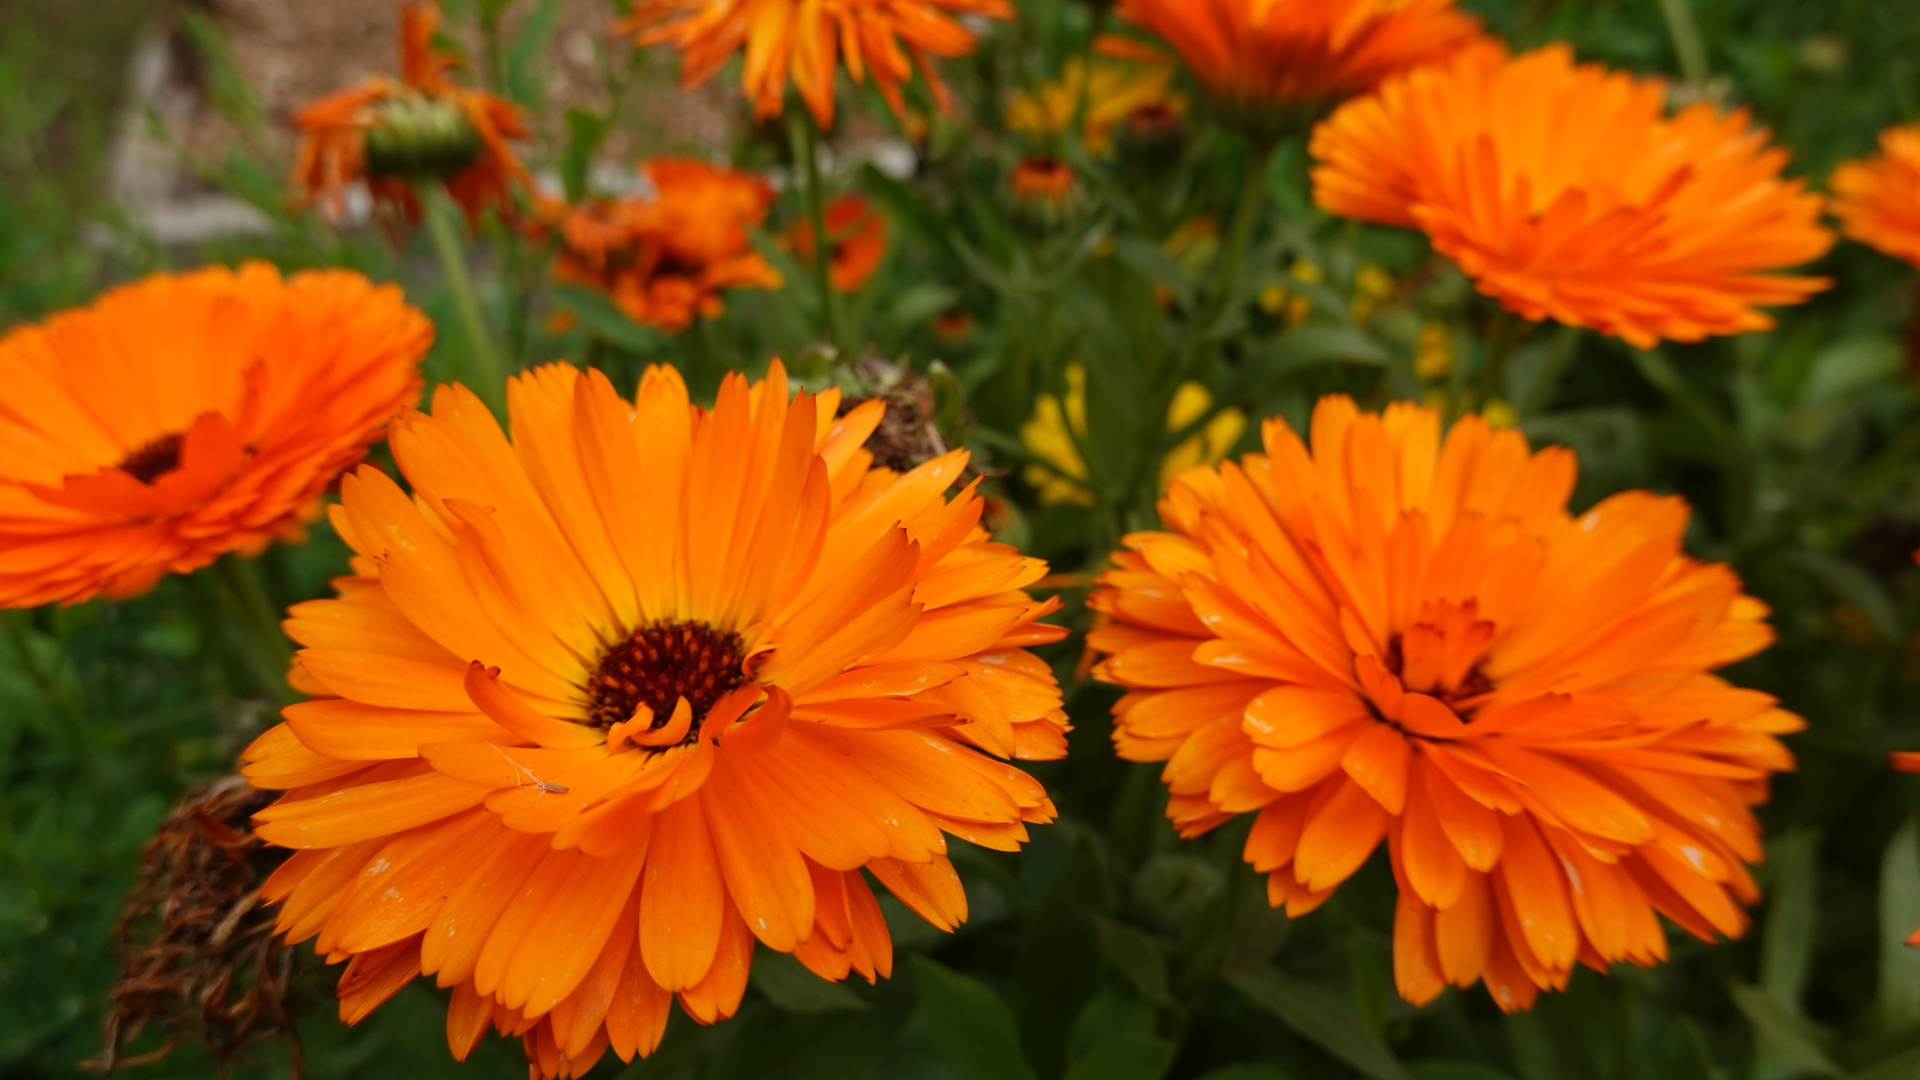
<point x="390" y="135"/>
<point x="610" y="701"/>
<point x="858" y="233"/>
<point x="182" y="417"/>
<point x="1878" y="198"/>
<point x="1260" y="58"/>
<point x="1397" y="637"/>
<point x="809" y="40"/>
<point x="1631" y="223"/>
<point x="666" y="259"/>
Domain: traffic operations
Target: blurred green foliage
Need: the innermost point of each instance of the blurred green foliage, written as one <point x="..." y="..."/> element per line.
<point x="1108" y="949"/>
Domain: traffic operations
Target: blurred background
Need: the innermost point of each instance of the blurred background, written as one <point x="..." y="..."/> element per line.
<point x="137" y="135"/>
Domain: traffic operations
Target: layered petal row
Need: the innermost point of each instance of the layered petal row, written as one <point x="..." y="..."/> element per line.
<point x="1382" y="635"/>
<point x="611" y="700"/>
<point x="186" y="416"/>
<point x="1565" y="192"/>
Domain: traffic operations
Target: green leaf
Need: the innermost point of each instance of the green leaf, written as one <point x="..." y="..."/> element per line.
<point x="1899" y="917"/>
<point x="1786" y="949"/>
<point x="1854" y="586"/>
<point x="585" y="130"/>
<point x="598" y="314"/>
<point x="789" y="985"/>
<point x="1902" y="1066"/>
<point x="1126" y="1057"/>
<point x="1455" y="1070"/>
<point x="1306" y="346"/>
<point x="1259" y="930"/>
<point x="1322" y="1017"/>
<point x="1056" y="969"/>
<point x="1138" y="957"/>
<point x="1247" y="1072"/>
<point x="1847" y="367"/>
<point x="973" y="1028"/>
<point x="524" y="57"/>
<point x="1781" y="1032"/>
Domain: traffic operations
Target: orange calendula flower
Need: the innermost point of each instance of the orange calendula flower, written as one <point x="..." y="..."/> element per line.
<point x="666" y="259"/>
<point x="1639" y="225"/>
<point x="1395" y="636"/>
<point x="183" y="417"/>
<point x="610" y="701"/>
<point x="424" y="127"/>
<point x="1878" y="199"/>
<point x="1270" y="61"/>
<point x="808" y="42"/>
<point x="858" y="232"/>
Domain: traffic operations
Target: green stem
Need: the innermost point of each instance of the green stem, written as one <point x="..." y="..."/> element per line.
<point x="1686" y="41"/>
<point x="805" y="136"/>
<point x="62" y="696"/>
<point x="483" y="372"/>
<point x="1246" y="218"/>
<point x="1540" y="392"/>
<point x="1507" y="331"/>
<point x="261" y="641"/>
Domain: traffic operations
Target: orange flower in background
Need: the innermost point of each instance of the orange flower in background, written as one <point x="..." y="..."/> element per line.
<point x="390" y="135"/>
<point x="1263" y="57"/>
<point x="1878" y="198"/>
<point x="858" y="233"/>
<point x="1394" y="636"/>
<point x="809" y="41"/>
<point x="665" y="260"/>
<point x="1635" y="224"/>
<point x="611" y="701"/>
<point x="1044" y="178"/>
<point x="183" y="417"/>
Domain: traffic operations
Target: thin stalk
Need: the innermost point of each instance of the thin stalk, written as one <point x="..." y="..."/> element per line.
<point x="1686" y="41"/>
<point x="1246" y="218"/>
<point x="56" y="690"/>
<point x="483" y="372"/>
<point x="805" y="136"/>
<point x="262" y="644"/>
<point x="1540" y="394"/>
<point x="1501" y="343"/>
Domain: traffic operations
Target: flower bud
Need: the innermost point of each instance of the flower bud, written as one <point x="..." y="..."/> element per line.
<point x="419" y="137"/>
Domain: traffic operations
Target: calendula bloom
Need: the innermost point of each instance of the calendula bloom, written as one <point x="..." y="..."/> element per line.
<point x="1272" y="63"/>
<point x="1393" y="636"/>
<point x="424" y="127"/>
<point x="666" y="259"/>
<point x="857" y="231"/>
<point x="1878" y="199"/>
<point x="809" y="41"/>
<point x="1056" y="427"/>
<point x="186" y="416"/>
<point x="609" y="701"/>
<point x="1639" y="225"/>
<point x="1112" y="94"/>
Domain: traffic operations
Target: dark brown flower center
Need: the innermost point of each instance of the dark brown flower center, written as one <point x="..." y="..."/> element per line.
<point x="661" y="663"/>
<point x="1456" y="696"/>
<point x="154" y="460"/>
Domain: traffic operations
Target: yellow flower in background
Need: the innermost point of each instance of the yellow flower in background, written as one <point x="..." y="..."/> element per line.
<point x="1286" y="305"/>
<point x="1113" y="92"/>
<point x="1371" y="286"/>
<point x="1207" y="446"/>
<point x="1433" y="355"/>
<point x="1499" y="414"/>
<point x="1049" y="434"/>
<point x="1051" y="431"/>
